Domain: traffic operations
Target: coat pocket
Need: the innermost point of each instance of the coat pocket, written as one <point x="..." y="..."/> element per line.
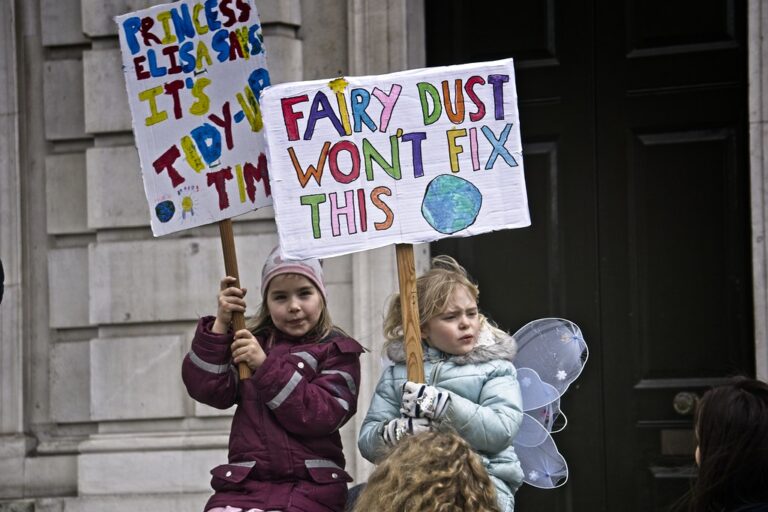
<point x="230" y="476"/>
<point x="324" y="471"/>
<point x="326" y="487"/>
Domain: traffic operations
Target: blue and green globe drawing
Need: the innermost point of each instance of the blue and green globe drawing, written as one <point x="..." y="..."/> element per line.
<point x="451" y="204"/>
<point x="165" y="210"/>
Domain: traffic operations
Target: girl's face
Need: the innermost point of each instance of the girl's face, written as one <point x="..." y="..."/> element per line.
<point x="454" y="331"/>
<point x="294" y="303"/>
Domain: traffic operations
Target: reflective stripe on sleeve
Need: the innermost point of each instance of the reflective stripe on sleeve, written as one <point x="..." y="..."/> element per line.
<point x="343" y="403"/>
<point x="283" y="394"/>
<point x="308" y="358"/>
<point x="208" y="367"/>
<point x="347" y="377"/>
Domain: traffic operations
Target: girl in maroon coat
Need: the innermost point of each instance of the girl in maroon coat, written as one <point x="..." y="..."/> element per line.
<point x="285" y="451"/>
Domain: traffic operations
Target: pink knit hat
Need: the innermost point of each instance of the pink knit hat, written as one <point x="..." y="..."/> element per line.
<point x="275" y="265"/>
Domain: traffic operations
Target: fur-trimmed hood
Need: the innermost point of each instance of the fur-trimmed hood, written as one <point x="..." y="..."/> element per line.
<point x="492" y="344"/>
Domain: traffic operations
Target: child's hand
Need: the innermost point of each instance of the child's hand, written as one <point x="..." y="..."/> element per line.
<point x="245" y="349"/>
<point x="398" y="428"/>
<point x="422" y="401"/>
<point x="230" y="299"/>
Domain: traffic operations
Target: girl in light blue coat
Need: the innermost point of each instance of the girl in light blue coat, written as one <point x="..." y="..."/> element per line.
<point x="471" y="384"/>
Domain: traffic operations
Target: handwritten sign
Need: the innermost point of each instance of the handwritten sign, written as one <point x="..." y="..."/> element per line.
<point x="409" y="157"/>
<point x="194" y="71"/>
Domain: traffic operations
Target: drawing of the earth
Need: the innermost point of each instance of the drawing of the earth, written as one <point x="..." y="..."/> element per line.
<point x="165" y="211"/>
<point x="451" y="203"/>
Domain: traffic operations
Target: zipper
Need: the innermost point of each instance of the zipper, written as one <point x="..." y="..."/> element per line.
<point x="433" y="373"/>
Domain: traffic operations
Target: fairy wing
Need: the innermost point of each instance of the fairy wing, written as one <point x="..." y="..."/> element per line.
<point x="550" y="356"/>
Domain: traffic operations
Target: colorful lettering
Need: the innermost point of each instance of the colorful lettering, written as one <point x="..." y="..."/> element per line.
<point x="428" y="90"/>
<point x="314" y="172"/>
<point x="314" y="201"/>
<point x="388" y="101"/>
<point x="347" y="210"/>
<point x="498" y="147"/>
<point x="454" y="150"/>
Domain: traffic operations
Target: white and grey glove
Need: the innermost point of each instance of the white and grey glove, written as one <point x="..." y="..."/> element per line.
<point x="422" y="401"/>
<point x="398" y="428"/>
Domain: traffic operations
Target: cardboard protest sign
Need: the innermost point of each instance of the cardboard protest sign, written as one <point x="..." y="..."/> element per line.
<point x="194" y="71"/>
<point x="362" y="162"/>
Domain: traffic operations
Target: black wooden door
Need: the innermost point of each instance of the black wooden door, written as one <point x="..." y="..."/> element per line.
<point x="633" y="117"/>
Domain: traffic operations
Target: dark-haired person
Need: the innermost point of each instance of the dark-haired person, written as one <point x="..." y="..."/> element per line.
<point x="732" y="452"/>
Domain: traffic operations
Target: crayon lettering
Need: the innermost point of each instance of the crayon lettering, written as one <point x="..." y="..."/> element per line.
<point x="177" y="24"/>
<point x="165" y="163"/>
<point x="498" y="146"/>
<point x="370" y="154"/>
<point x="416" y="138"/>
<point x="172" y="90"/>
<point x="353" y="208"/>
<point x="219" y="180"/>
<point x="454" y="109"/>
<point x="498" y="82"/>
<point x="291" y="117"/>
<point x="333" y="161"/>
<point x="454" y="150"/>
<point x="388" y="101"/>
<point x="427" y="92"/>
<point x="432" y="103"/>
<point x="312" y="171"/>
<point x="347" y="210"/>
<point x="360" y="98"/>
<point x="469" y="87"/>
<point x="321" y="109"/>
<point x="246" y="176"/>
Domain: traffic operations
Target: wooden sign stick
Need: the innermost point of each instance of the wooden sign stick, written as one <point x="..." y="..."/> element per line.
<point x="230" y="266"/>
<point x="409" y="307"/>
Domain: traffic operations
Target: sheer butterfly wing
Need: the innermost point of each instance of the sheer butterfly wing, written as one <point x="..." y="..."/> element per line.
<point x="551" y="355"/>
<point x="555" y="348"/>
<point x="543" y="465"/>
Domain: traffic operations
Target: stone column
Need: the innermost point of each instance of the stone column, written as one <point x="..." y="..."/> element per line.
<point x="11" y="332"/>
<point x="383" y="36"/>
<point x="758" y="128"/>
<point x="14" y="444"/>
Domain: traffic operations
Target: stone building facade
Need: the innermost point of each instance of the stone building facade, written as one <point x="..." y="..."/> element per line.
<point x="98" y="314"/>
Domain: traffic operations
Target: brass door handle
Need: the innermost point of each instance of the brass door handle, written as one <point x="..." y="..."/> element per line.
<point x="685" y="402"/>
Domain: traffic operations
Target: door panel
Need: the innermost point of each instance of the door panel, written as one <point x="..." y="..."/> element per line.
<point x="549" y="269"/>
<point x="633" y="118"/>
<point x="673" y="217"/>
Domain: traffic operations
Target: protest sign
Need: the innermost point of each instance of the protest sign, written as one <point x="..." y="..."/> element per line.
<point x="193" y="72"/>
<point x="362" y="162"/>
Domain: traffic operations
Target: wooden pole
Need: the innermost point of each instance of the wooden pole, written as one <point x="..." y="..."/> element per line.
<point x="230" y="266"/>
<point x="409" y="306"/>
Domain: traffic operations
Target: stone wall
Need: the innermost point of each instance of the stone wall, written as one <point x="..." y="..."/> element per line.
<point x="98" y="314"/>
<point x="758" y="134"/>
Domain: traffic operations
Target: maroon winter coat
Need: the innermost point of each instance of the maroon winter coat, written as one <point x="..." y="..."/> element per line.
<point x="284" y="447"/>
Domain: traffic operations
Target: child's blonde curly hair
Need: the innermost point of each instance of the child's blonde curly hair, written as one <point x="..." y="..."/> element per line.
<point x="429" y="472"/>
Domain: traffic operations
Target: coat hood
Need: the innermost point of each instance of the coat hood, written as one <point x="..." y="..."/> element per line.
<point x="492" y="344"/>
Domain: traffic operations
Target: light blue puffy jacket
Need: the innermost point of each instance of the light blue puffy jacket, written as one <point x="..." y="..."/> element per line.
<point x="485" y="406"/>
